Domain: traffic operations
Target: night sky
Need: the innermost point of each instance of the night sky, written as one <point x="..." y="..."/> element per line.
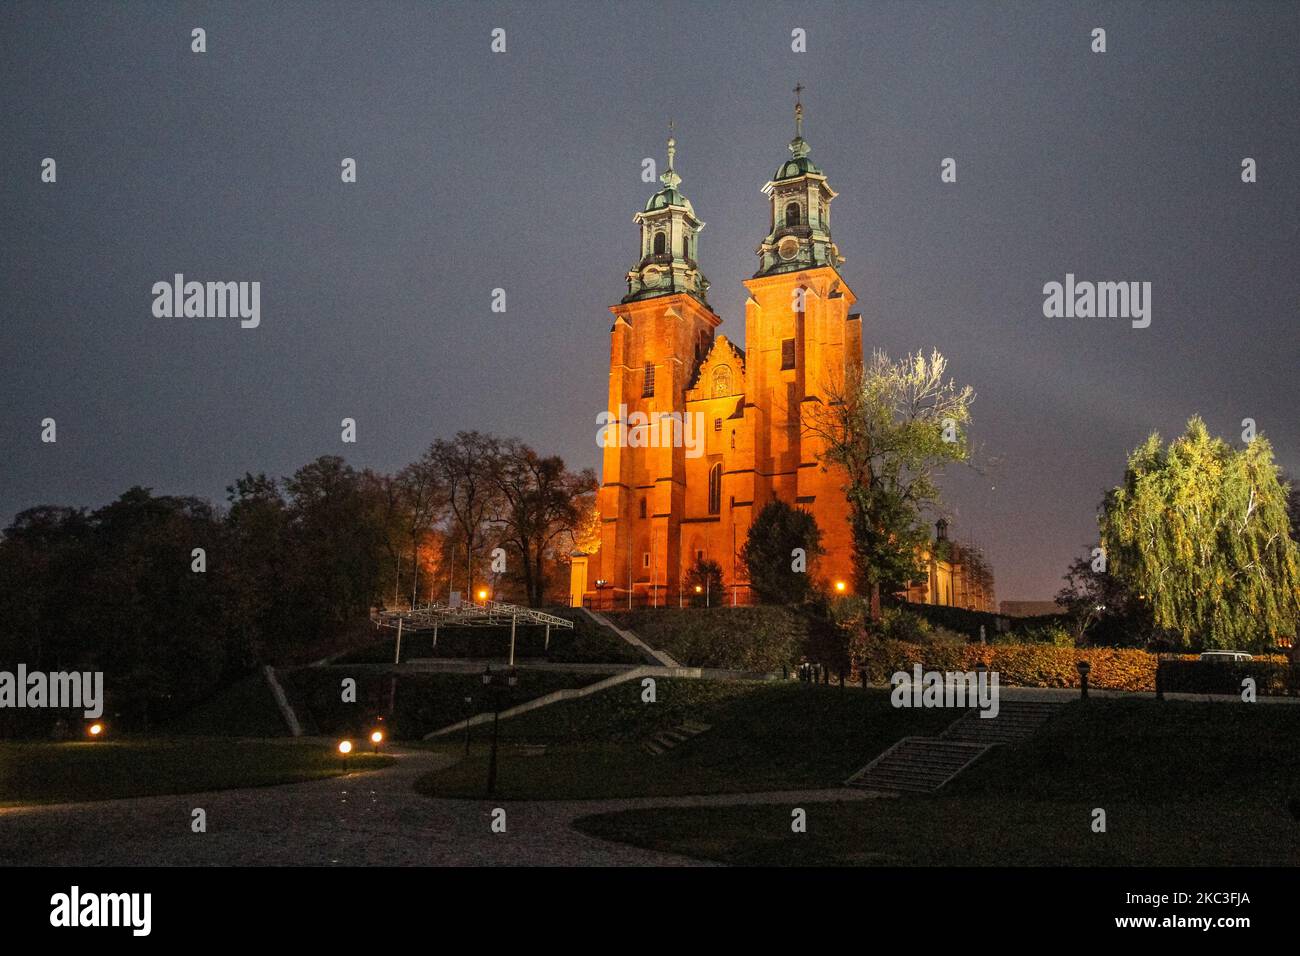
<point x="522" y="171"/>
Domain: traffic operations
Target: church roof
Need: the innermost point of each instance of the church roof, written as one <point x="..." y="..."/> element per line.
<point x="798" y="165"/>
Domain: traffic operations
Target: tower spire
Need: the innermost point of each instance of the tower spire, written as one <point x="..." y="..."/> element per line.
<point x="670" y="177"/>
<point x="799" y="146"/>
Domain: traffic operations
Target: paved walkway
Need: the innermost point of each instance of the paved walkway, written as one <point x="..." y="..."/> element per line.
<point x="362" y="819"/>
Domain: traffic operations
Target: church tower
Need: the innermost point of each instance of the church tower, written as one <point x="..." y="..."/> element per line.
<point x="800" y="339"/>
<point x="662" y="328"/>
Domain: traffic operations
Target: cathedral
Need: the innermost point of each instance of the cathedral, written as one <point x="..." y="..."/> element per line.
<point x="663" y="506"/>
<point x="666" y="504"/>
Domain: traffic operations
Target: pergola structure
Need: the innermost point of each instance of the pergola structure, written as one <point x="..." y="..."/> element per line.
<point x="430" y="617"/>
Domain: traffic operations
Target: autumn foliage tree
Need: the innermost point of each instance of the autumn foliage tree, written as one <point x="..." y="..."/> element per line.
<point x="892" y="426"/>
<point x="1199" y="531"/>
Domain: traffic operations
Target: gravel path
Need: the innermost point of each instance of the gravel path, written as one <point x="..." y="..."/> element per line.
<point x="363" y="819"/>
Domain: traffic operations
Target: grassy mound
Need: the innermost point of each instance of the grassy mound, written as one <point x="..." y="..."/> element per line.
<point x="762" y="736"/>
<point x="1182" y="784"/>
<point x="110" y="769"/>
<point x="759" y="638"/>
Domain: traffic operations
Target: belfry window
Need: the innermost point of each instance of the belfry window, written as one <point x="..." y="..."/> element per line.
<point x="792" y="214"/>
<point x="648" y="383"/>
<point x="787" y="354"/>
<point x="715" y="489"/>
<point x="643" y="508"/>
<point x="660" y="243"/>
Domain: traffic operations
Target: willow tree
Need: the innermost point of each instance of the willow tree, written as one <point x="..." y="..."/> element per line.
<point x="892" y="426"/>
<point x="1200" y="531"/>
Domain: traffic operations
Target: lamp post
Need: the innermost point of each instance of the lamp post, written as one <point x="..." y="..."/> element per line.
<point x="1083" y="667"/>
<point x="512" y="678"/>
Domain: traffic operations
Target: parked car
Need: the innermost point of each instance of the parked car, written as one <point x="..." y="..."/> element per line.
<point x="1226" y="656"/>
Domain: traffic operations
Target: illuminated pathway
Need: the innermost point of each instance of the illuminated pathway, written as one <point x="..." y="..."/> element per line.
<point x="364" y="819"/>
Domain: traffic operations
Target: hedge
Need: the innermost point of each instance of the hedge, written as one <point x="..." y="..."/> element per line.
<point x="1041" y="665"/>
<point x="1271" y="676"/>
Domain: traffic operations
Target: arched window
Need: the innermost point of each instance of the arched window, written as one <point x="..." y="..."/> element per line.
<point x="660" y="243"/>
<point x="792" y="214"/>
<point x="715" y="489"/>
<point x="686" y="247"/>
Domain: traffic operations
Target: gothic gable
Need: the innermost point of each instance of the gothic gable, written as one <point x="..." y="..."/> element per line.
<point x="721" y="374"/>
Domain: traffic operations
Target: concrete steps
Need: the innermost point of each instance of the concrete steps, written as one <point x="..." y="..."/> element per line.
<point x="665" y="740"/>
<point x="925" y="764"/>
<point x="917" y="765"/>
<point x="1016" y="721"/>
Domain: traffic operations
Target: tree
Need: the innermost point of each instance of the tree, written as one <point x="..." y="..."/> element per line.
<point x="464" y="467"/>
<point x="1199" y="530"/>
<point x="422" y="499"/>
<point x="1101" y="608"/>
<point x="703" y="583"/>
<point x="776" y="573"/>
<point x="542" y="503"/>
<point x="891" y="426"/>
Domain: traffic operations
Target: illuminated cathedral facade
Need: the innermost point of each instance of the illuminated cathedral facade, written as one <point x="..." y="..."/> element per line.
<point x="664" y="505"/>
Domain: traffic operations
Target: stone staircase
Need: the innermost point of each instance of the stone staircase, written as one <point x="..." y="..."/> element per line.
<point x="667" y="739"/>
<point x="917" y="765"/>
<point x="1016" y="721"/>
<point x="925" y="764"/>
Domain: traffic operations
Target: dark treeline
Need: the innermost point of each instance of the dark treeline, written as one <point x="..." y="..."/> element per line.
<point x="172" y="596"/>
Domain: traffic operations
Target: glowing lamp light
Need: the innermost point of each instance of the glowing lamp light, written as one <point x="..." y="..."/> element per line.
<point x="345" y="747"/>
<point x="377" y="737"/>
<point x="482" y="595"/>
<point x="840" y="586"/>
<point x="95" y="730"/>
<point x="698" y="589"/>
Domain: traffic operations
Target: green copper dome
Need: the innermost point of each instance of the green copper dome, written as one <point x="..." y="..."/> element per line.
<point x="793" y="168"/>
<point x="664" y="198"/>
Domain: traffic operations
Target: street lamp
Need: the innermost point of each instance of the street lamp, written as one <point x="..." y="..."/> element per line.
<point x="512" y="678"/>
<point x="482" y="594"/>
<point x="345" y="748"/>
<point x="840" y="586"/>
<point x="95" y="730"/>
<point x="1083" y="667"/>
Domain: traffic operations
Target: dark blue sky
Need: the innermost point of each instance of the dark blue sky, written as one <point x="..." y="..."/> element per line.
<point x="521" y="171"/>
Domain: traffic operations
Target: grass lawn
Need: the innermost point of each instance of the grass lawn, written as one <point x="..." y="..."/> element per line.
<point x="108" y="769"/>
<point x="423" y="702"/>
<point x="764" y="736"/>
<point x="1182" y="784"/>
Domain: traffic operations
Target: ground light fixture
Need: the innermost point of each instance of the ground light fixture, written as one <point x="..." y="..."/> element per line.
<point x="344" y="748"/>
<point x="376" y="738"/>
<point x="95" y="730"/>
<point x="1083" y="667"/>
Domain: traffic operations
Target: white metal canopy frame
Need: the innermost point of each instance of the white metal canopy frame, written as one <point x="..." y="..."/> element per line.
<point x="431" y="617"/>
